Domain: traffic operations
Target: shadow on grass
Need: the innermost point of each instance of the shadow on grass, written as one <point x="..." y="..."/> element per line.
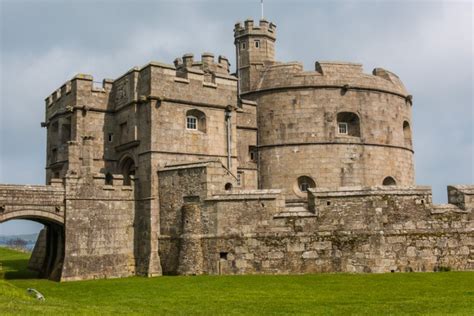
<point x="17" y="269"/>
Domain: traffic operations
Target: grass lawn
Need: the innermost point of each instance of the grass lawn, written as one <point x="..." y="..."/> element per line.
<point x="321" y="294"/>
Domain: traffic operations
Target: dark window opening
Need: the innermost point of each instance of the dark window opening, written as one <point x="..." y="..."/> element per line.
<point x="304" y="183"/>
<point x="111" y="137"/>
<point x="128" y="171"/>
<point x="253" y="153"/>
<point x="407" y="133"/>
<point x="257" y="44"/>
<point x="243" y="45"/>
<point x="223" y="255"/>
<point x="55" y="127"/>
<point x="109" y="179"/>
<point x="54" y="155"/>
<point x="228" y="186"/>
<point x="123" y="132"/>
<point x="65" y="133"/>
<point x="389" y="181"/>
<point x="348" y="124"/>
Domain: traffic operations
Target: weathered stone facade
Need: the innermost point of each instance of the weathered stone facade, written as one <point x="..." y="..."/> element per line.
<point x="186" y="169"/>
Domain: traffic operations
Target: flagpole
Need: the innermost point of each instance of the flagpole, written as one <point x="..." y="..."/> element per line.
<point x="261" y="5"/>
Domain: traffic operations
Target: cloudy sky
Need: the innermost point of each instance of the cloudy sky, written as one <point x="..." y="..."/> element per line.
<point x="427" y="43"/>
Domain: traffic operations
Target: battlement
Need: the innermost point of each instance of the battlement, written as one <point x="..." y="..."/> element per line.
<point x="79" y="83"/>
<point x="344" y="75"/>
<point x="264" y="28"/>
<point x="461" y="196"/>
<point x="207" y="64"/>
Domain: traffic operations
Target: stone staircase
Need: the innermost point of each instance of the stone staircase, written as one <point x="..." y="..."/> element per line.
<point x="296" y="208"/>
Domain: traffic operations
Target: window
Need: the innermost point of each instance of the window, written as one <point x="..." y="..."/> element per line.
<point x="111" y="137"/>
<point x="305" y="182"/>
<point x="257" y="44"/>
<point x="348" y="124"/>
<point x="65" y="133"/>
<point x="228" y="186"/>
<point x="123" y="132"/>
<point x="342" y="128"/>
<point x="128" y="171"/>
<point x="191" y="122"/>
<point x="407" y="133"/>
<point x="253" y="153"/>
<point x="389" y="181"/>
<point x="223" y="255"/>
<point x="243" y="45"/>
<point x="109" y="179"/>
<point x="196" y="120"/>
<point x="55" y="127"/>
<point x="54" y="155"/>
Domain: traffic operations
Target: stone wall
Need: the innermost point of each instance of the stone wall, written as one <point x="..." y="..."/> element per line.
<point x="247" y="131"/>
<point x="38" y="254"/>
<point x="298" y="134"/>
<point x="352" y="229"/>
<point x="99" y="233"/>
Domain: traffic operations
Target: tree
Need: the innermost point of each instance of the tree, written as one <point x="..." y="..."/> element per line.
<point x="17" y="243"/>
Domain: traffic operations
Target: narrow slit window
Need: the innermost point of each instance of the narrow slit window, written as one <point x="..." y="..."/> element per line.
<point x="253" y="153"/>
<point x="257" y="44"/>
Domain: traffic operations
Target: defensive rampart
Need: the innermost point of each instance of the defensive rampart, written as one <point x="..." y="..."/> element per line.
<point x="354" y="229"/>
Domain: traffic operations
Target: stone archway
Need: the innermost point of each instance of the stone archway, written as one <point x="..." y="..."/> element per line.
<point x="45" y="205"/>
<point x="47" y="256"/>
<point x="127" y="167"/>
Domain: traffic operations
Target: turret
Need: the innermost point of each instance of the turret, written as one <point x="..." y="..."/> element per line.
<point x="255" y="47"/>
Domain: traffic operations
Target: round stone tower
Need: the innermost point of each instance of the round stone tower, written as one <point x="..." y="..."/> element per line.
<point x="332" y="127"/>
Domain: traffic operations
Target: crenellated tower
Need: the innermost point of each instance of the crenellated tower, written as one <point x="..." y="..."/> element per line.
<point x="255" y="48"/>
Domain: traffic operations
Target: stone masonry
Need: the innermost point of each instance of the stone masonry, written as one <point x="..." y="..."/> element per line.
<point x="186" y="168"/>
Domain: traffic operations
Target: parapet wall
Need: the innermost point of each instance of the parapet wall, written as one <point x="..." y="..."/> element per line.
<point x="37" y="202"/>
<point x="264" y="28"/>
<point x="354" y="229"/>
<point x="329" y="74"/>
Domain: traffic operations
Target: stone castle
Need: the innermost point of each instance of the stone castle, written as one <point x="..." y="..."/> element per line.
<point x="189" y="169"/>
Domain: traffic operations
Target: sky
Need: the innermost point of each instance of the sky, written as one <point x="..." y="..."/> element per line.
<point x="428" y="44"/>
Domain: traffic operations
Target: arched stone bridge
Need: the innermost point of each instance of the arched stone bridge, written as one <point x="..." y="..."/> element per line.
<point x="44" y="204"/>
<point x="41" y="203"/>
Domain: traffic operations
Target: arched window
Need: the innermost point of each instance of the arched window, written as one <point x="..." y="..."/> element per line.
<point x="304" y="183"/>
<point x="228" y="186"/>
<point x="196" y="120"/>
<point x="389" y="181"/>
<point x="128" y="171"/>
<point x="109" y="179"/>
<point x="348" y="124"/>
<point x="407" y="133"/>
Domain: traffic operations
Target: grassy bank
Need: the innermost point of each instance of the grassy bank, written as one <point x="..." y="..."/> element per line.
<point x="369" y="294"/>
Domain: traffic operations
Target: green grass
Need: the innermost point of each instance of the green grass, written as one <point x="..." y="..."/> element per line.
<point x="321" y="294"/>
